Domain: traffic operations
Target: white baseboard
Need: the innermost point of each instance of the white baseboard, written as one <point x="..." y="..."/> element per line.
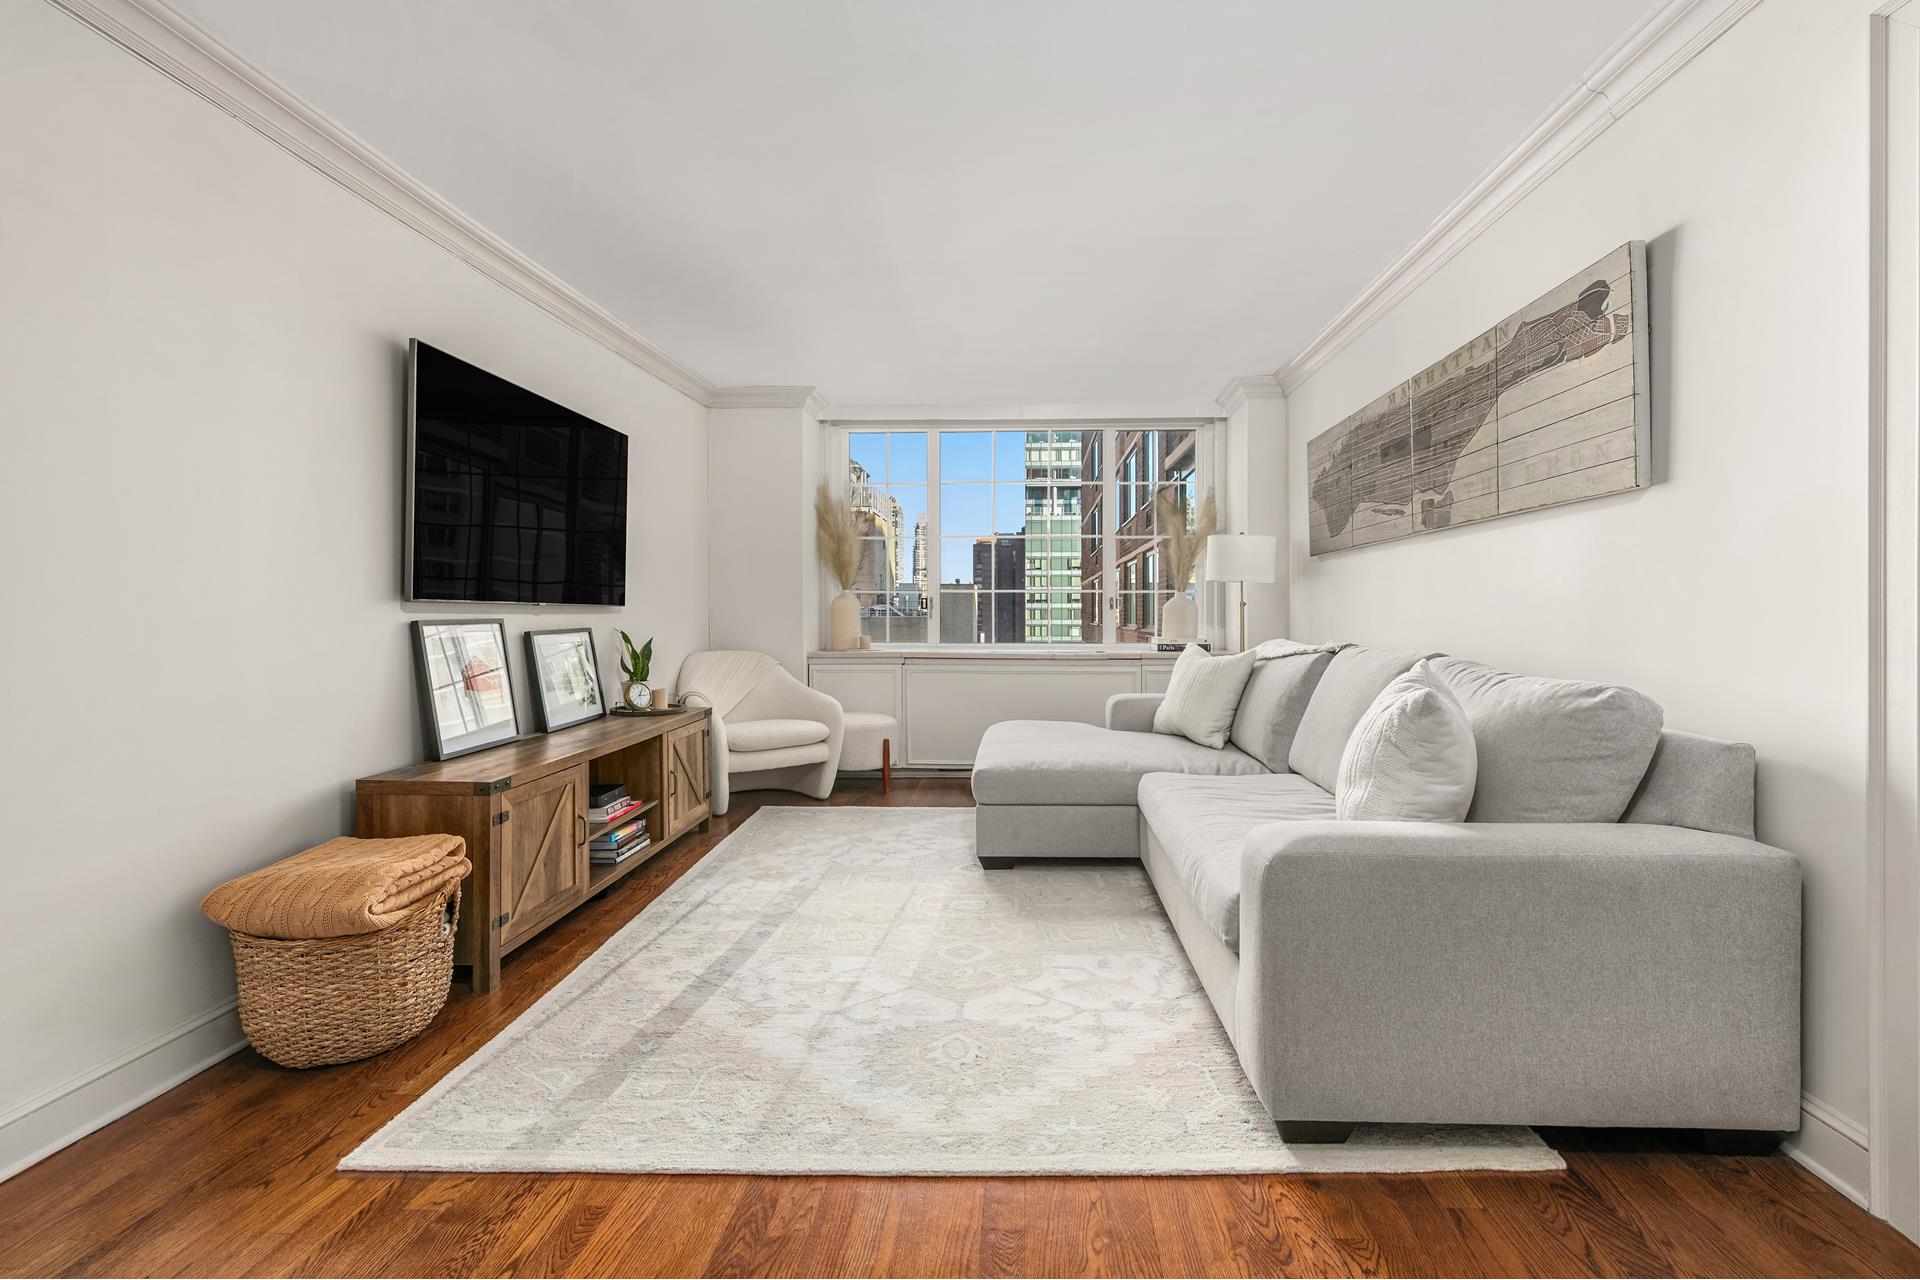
<point x="1834" y="1149"/>
<point x="32" y="1130"/>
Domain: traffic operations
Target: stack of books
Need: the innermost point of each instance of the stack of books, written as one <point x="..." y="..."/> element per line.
<point x="621" y="839"/>
<point x="610" y="803"/>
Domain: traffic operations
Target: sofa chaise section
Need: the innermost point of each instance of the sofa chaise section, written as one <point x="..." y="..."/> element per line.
<point x="1061" y="789"/>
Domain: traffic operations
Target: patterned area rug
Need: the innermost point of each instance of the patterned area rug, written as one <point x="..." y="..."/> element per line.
<point x="845" y="991"/>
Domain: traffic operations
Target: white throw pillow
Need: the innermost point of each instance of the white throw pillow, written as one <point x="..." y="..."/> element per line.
<point x="1411" y="758"/>
<point x="1202" y="695"/>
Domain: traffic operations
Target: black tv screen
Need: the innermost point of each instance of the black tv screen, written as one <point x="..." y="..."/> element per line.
<point x="512" y="497"/>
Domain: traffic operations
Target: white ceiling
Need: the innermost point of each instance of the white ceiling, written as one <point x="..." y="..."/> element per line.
<point x="972" y="201"/>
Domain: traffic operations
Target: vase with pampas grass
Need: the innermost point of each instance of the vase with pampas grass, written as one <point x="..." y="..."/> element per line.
<point x="1179" y="615"/>
<point x="838" y="540"/>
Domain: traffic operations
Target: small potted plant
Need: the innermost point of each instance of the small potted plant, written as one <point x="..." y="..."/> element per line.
<point x="636" y="664"/>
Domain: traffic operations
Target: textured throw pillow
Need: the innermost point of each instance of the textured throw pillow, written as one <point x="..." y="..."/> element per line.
<point x="1202" y="695"/>
<point x="1411" y="758"/>
<point x="1553" y="750"/>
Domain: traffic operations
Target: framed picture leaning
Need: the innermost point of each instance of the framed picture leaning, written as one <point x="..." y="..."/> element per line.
<point x="465" y="688"/>
<point x="566" y="678"/>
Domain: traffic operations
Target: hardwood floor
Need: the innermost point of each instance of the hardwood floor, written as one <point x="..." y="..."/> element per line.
<point x="233" y="1173"/>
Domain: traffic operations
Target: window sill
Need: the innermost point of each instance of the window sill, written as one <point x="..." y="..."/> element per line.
<point x="993" y="653"/>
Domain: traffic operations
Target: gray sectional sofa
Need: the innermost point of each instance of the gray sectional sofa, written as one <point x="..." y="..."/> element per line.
<point x="1636" y="966"/>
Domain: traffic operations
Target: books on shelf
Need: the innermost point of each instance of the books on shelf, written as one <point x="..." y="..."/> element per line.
<point x="606" y="857"/>
<point x="633" y="833"/>
<point x="613" y="810"/>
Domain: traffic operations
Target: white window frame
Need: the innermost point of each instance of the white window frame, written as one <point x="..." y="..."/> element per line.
<point x="1208" y="452"/>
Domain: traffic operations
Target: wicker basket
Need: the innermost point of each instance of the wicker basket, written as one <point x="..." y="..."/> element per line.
<point x="327" y="1000"/>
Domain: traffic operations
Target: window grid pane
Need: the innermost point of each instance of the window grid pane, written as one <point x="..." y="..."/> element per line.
<point x="1018" y="556"/>
<point x="886" y="488"/>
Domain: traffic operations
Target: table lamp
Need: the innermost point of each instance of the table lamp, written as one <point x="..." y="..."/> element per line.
<point x="1241" y="558"/>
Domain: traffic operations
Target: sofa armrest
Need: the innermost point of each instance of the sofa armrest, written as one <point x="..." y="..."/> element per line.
<point x="1520" y="973"/>
<point x="1133" y="712"/>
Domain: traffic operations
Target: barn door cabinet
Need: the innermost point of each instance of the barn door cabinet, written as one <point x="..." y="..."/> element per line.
<point x="688" y="793"/>
<point x="522" y="809"/>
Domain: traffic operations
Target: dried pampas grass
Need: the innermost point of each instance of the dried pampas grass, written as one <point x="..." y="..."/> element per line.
<point x="839" y="537"/>
<point x="1184" y="545"/>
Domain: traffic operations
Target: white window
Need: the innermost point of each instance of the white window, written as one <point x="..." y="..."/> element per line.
<point x="1042" y="536"/>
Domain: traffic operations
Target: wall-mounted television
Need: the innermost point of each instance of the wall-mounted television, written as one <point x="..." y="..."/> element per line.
<point x="511" y="498"/>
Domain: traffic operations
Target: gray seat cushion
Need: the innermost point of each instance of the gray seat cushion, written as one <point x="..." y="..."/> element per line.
<point x="1066" y="762"/>
<point x="1276" y="697"/>
<point x="1552" y="750"/>
<point x="1202" y="822"/>
<point x="1351" y="682"/>
<point x="1697" y="782"/>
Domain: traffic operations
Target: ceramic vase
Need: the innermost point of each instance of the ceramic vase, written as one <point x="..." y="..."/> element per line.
<point x="1179" y="618"/>
<point x="845" y="621"/>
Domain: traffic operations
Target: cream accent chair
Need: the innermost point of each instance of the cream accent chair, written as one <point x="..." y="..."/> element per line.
<point x="769" y="732"/>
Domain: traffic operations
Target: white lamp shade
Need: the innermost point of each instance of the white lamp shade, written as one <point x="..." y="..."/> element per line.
<point x="1240" y="557"/>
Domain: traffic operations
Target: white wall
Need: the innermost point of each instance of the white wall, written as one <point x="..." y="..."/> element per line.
<point x="1256" y="488"/>
<point x="202" y="346"/>
<point x="1735" y="592"/>
<point x="764" y="576"/>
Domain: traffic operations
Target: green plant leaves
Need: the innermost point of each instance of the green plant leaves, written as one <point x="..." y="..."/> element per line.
<point x="635" y="664"/>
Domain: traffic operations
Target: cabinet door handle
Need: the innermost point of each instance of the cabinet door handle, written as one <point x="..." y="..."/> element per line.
<point x="581" y="819"/>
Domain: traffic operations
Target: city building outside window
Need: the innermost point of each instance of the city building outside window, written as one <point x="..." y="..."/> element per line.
<point x="994" y="536"/>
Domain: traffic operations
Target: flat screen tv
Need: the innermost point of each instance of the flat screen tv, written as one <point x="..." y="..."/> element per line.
<point x="510" y="497"/>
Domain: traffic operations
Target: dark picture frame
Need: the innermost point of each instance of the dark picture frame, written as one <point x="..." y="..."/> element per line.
<point x="465" y="685"/>
<point x="559" y="673"/>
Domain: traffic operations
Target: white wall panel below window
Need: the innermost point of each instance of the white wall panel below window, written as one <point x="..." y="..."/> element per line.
<point x="860" y="685"/>
<point x="950" y="704"/>
<point x="944" y="704"/>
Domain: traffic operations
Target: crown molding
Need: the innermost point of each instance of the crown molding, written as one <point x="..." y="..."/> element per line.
<point x="808" y="398"/>
<point x="1259" y="386"/>
<point x="1658" y="46"/>
<point x="178" y="47"/>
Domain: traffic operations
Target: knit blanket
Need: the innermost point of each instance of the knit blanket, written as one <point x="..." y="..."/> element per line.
<point x="340" y="888"/>
<point x="720" y="678"/>
<point x="1267" y="650"/>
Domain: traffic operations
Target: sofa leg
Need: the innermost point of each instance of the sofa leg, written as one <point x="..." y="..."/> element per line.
<point x="1313" y="1131"/>
<point x="1742" y="1142"/>
<point x="995" y="864"/>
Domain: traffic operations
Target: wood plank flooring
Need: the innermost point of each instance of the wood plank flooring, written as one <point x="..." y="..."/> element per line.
<point x="233" y="1173"/>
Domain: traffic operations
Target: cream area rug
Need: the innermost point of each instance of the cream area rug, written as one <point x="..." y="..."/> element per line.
<point x="845" y="991"/>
